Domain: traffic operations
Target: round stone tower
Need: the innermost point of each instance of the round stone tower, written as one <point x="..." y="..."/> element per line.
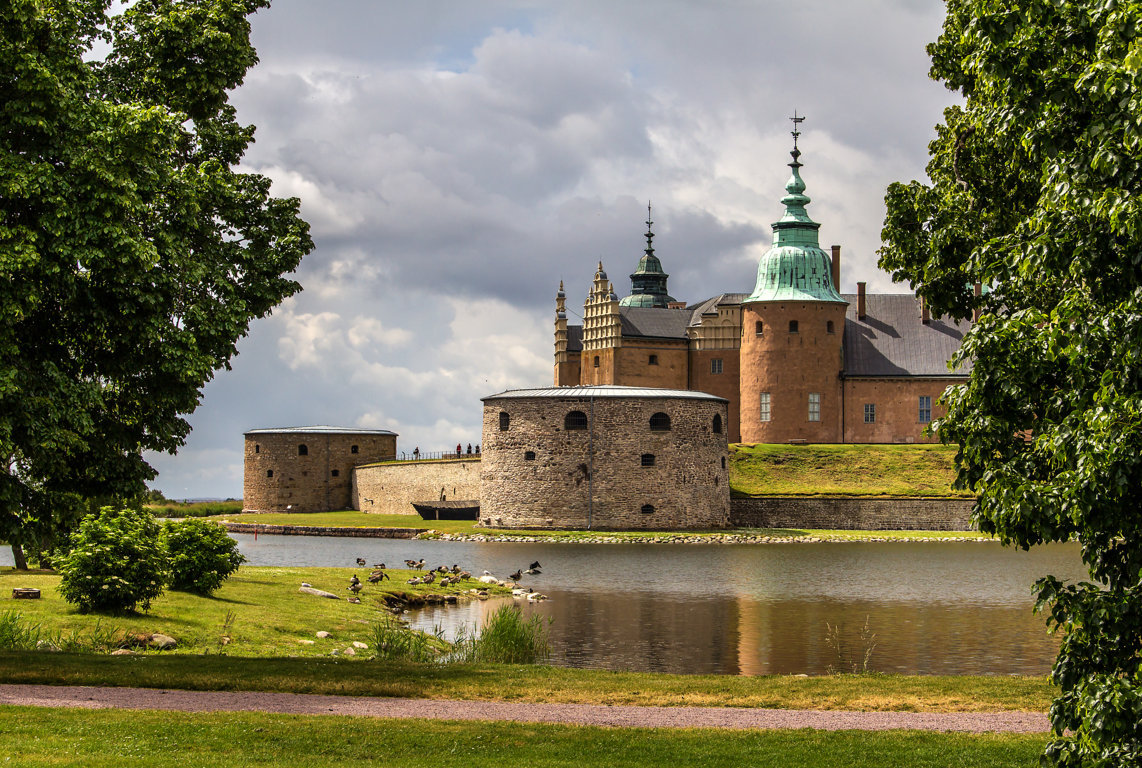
<point x="792" y="327"/>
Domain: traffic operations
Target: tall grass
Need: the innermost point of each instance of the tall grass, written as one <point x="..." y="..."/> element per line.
<point x="20" y="634"/>
<point x="393" y="641"/>
<point x="197" y="509"/>
<point x="507" y="638"/>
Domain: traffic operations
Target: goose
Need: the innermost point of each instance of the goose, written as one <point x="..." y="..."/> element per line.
<point x="535" y="565"/>
<point x="533" y="571"/>
<point x="516" y="576"/>
<point x="361" y="561"/>
<point x="429" y="577"/>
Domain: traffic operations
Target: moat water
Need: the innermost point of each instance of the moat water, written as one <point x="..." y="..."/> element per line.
<point x="930" y="607"/>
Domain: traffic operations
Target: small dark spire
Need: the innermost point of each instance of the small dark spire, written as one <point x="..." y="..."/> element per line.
<point x="649" y="233"/>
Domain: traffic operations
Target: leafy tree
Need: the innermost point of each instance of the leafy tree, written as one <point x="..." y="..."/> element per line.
<point x="115" y="562"/>
<point x="132" y="255"/>
<point x="201" y="555"/>
<point x="1035" y="191"/>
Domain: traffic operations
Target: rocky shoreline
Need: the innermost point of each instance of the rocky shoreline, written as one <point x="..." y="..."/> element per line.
<point x="577" y="538"/>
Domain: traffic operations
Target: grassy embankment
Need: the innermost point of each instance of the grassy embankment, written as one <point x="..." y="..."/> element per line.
<point x="265" y="617"/>
<point x="33" y="736"/>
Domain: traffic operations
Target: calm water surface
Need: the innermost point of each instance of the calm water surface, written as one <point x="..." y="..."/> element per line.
<point x="934" y="608"/>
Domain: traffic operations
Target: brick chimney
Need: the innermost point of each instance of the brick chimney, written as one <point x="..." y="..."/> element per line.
<point x="860" y="301"/>
<point x="837" y="268"/>
<point x="925" y="316"/>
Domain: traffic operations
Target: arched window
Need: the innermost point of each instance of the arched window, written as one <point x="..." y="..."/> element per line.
<point x="653" y="360"/>
<point x="335" y="473"/>
<point x="257" y="448"/>
<point x="723" y="462"/>
<point x="505" y="421"/>
<point x="660" y="422"/>
<point x="269" y="473"/>
<point x="648" y="459"/>
<point x="354" y="449"/>
<point x="758" y="327"/>
<point x="793" y="326"/>
<point x="717" y="423"/>
<point x="575" y="420"/>
<point x="829" y="327"/>
<point x="529" y="456"/>
<point x="596" y="361"/>
<point x="648" y="509"/>
<point x="302" y="450"/>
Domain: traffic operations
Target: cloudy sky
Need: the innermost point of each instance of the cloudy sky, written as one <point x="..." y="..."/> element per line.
<point x="457" y="159"/>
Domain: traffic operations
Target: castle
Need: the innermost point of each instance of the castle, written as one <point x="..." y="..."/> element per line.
<point x="797" y="361"/>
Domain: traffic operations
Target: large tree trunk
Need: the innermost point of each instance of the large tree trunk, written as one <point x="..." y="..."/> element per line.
<point x="18" y="557"/>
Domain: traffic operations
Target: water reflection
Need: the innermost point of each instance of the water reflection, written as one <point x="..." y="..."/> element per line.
<point x="935" y="608"/>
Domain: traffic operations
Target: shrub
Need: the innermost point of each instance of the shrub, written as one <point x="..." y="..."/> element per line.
<point x="201" y="555"/>
<point x="393" y="641"/>
<point x="116" y="562"/>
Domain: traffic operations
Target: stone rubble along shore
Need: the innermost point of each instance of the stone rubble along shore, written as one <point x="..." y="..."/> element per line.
<point x="569" y="538"/>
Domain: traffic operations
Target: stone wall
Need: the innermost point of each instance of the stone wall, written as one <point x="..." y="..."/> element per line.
<point x="853" y="513"/>
<point x="390" y="489"/>
<point x="279" y="477"/>
<point x="537" y="474"/>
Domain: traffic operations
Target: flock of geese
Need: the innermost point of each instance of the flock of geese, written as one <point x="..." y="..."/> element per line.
<point x="442" y="574"/>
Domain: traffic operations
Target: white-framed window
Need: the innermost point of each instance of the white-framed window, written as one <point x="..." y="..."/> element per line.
<point x="764" y="413"/>
<point x="814" y="406"/>
<point x="870" y="413"/>
<point x="716" y="365"/>
<point x="925" y="414"/>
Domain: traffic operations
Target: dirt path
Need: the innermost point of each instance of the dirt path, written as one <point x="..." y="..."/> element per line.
<point x="575" y="714"/>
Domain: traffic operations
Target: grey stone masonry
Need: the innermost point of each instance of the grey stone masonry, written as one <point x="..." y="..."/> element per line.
<point x="853" y="513"/>
<point x="614" y="473"/>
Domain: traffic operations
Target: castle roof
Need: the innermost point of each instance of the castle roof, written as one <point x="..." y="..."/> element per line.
<point x="891" y="341"/>
<point x="604" y="391"/>
<point x="318" y="430"/>
<point x="654" y="322"/>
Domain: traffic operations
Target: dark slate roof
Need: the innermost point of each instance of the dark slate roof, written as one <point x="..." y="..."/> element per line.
<point x="710" y="306"/>
<point x="574" y="338"/>
<point x="891" y="340"/>
<point x="649" y="322"/>
<point x="603" y="391"/>
<point x="318" y="430"/>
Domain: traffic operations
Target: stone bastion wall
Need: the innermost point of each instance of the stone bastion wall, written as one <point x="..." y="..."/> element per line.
<point x="607" y="468"/>
<point x="854" y="513"/>
<point x="306" y="471"/>
<point x="390" y="489"/>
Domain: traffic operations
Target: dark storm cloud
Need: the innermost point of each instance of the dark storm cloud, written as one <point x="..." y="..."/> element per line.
<point x="457" y="160"/>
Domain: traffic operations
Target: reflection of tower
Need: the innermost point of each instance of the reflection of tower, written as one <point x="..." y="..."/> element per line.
<point x="792" y="327"/>
<point x="602" y="331"/>
<point x="648" y="283"/>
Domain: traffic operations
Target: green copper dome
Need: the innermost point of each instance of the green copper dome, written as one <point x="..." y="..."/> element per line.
<point x="795" y="268"/>
<point x="648" y="283"/>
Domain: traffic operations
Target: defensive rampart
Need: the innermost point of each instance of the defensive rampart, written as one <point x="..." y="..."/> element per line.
<point x="391" y="488"/>
<point x="853" y="513"/>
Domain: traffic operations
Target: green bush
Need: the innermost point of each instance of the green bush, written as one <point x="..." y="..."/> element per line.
<point x="507" y="638"/>
<point x="116" y="562"/>
<point x="201" y="555"/>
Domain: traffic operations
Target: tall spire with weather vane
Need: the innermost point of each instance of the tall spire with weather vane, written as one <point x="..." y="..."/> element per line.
<point x="648" y="283"/>
<point x="795" y="268"/>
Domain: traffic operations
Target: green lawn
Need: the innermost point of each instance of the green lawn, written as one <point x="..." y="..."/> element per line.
<point x="59" y="737"/>
<point x="260" y="609"/>
<point x="842" y="470"/>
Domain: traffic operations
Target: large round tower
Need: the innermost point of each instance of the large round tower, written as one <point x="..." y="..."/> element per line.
<point x="792" y="327"/>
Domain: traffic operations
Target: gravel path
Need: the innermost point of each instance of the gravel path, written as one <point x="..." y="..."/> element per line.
<point x="576" y="714"/>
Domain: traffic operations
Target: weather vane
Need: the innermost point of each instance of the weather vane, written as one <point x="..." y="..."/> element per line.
<point x="796" y="127"/>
